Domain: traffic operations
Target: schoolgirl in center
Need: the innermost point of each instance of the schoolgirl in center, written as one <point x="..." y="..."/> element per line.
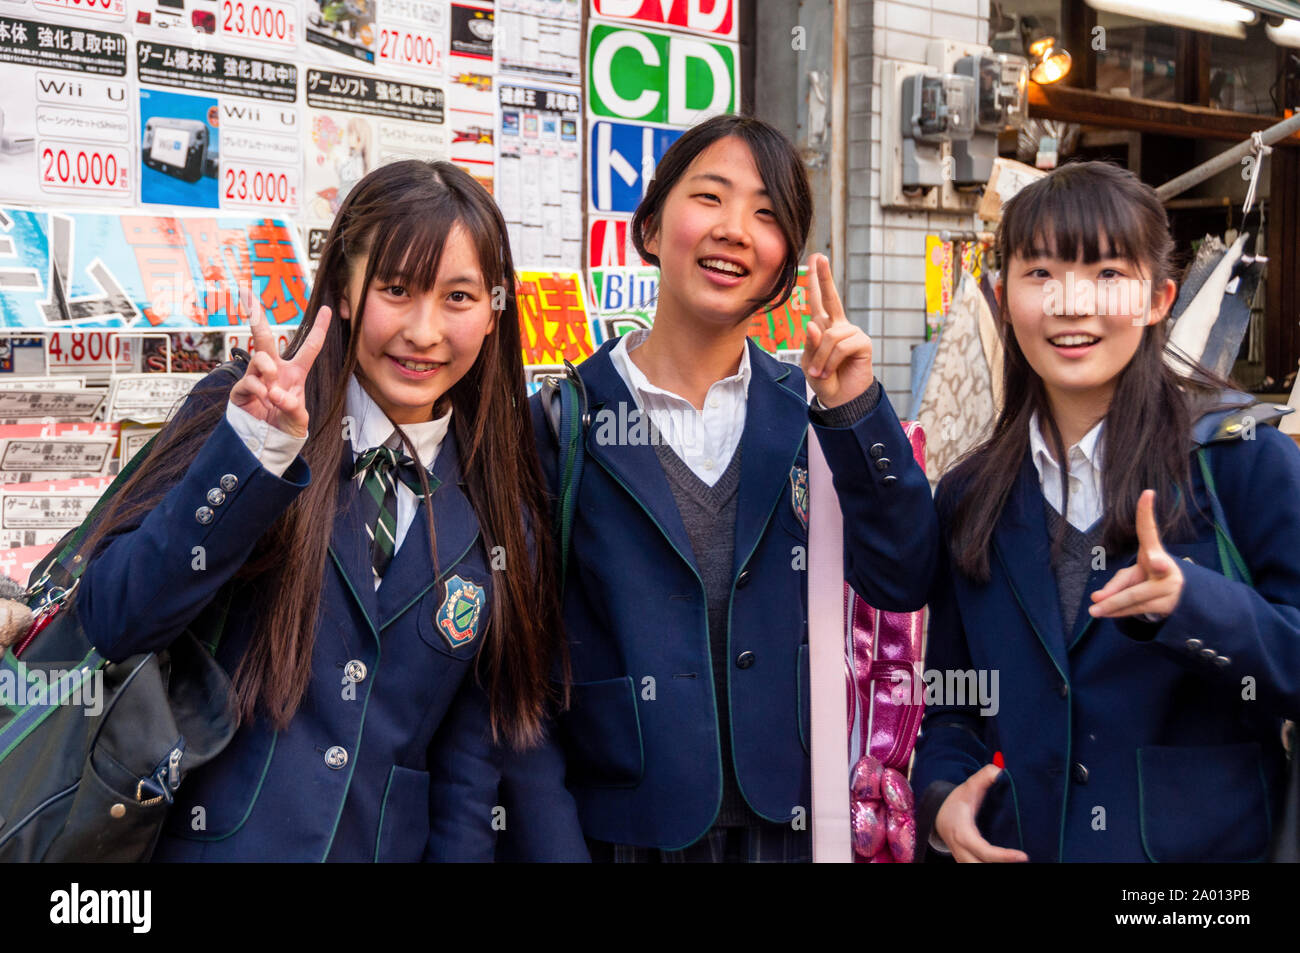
<point x="365" y="509"/>
<point x="1122" y="551"/>
<point x="685" y="602"/>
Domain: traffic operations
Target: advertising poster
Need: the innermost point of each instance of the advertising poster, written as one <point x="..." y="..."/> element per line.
<point x="230" y="141"/>
<point x="643" y="75"/>
<point x="609" y="241"/>
<point x="409" y="36"/>
<point x="623" y="160"/>
<point x="65" y="115"/>
<point x="356" y="123"/>
<point x="553" y="324"/>
<point x="622" y="300"/>
<point x="145" y="272"/>
<point x="540" y="173"/>
<point x="716" y="18"/>
<point x="540" y="40"/>
<point x="471" y="113"/>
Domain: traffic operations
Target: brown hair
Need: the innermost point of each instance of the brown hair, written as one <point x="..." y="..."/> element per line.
<point x="397" y="218"/>
<point x="1147" y="425"/>
<point x="779" y="167"/>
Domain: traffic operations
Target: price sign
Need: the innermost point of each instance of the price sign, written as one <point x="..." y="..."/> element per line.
<point x="243" y="184"/>
<point x="70" y="167"/>
<point x="105" y="9"/>
<point x="259" y="21"/>
<point x="399" y="46"/>
<point x="245" y="341"/>
<point x="90" y="349"/>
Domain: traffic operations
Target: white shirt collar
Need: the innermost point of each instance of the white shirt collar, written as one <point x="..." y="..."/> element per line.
<point x="1086" y="452"/>
<point x="622" y="359"/>
<point x="371" y="427"/>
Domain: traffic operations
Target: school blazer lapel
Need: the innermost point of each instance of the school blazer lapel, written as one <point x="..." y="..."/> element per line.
<point x="456" y="529"/>
<point x="634" y="465"/>
<point x="776" y="421"/>
<point x="1023" y="550"/>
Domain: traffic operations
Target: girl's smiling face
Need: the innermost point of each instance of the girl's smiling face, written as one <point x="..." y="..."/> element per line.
<point x="415" y="345"/>
<point x="719" y="246"/>
<point x="1079" y="324"/>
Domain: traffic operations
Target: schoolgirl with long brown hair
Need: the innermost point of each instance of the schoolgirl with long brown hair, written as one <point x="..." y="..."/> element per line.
<point x="366" y="513"/>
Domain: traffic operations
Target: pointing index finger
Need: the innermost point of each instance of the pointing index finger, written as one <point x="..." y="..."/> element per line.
<point x="830" y="296"/>
<point x="311" y="347"/>
<point x="1147" y="531"/>
<point x="816" y="310"/>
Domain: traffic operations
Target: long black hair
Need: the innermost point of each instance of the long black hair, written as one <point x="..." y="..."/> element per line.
<point x="395" y="221"/>
<point x="1102" y="211"/>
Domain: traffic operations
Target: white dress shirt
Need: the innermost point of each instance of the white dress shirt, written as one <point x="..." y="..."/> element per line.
<point x="370" y="427"/>
<point x="705" y="440"/>
<point x="1084" y="460"/>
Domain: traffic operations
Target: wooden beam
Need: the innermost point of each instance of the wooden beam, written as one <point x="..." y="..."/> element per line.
<point x="1077" y="22"/>
<point x="1147" y="115"/>
<point x="1281" y="294"/>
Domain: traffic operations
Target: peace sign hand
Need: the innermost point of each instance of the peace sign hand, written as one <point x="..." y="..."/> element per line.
<point x="272" y="387"/>
<point x="837" y="357"/>
<point x="1154" y="585"/>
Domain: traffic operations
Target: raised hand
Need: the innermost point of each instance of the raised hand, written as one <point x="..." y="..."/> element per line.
<point x="837" y="357"/>
<point x="272" y="387"/>
<point x="1154" y="585"/>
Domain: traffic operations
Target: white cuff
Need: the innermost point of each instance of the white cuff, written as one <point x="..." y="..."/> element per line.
<point x="274" y="449"/>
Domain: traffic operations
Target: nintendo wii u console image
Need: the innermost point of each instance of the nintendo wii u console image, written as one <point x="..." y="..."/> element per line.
<point x="178" y="147"/>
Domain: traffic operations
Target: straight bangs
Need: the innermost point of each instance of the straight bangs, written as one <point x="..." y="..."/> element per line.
<point x="1067" y="216"/>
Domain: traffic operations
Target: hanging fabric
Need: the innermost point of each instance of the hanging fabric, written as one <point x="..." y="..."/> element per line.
<point x="956" y="408"/>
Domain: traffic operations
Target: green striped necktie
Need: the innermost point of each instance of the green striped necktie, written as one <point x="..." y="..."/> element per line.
<point x="377" y="468"/>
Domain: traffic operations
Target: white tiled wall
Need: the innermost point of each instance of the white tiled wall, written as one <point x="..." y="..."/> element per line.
<point x="886" y="273"/>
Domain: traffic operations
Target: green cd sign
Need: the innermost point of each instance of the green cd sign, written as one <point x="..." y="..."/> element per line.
<point x="659" y="77"/>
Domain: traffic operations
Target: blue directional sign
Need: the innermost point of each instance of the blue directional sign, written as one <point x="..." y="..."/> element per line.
<point x="623" y="159"/>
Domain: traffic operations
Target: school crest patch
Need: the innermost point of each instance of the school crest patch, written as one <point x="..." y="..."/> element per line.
<point x="458" y="616"/>
<point x="799" y="494"/>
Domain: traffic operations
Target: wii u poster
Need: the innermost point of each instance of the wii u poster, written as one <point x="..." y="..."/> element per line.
<point x="180" y="144"/>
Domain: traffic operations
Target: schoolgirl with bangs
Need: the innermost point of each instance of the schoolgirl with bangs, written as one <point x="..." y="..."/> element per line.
<point x="366" y="507"/>
<point x="1121" y="552"/>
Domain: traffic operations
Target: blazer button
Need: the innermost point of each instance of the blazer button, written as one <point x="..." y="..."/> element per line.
<point x="336" y="757"/>
<point x="877" y="451"/>
<point x="229" y="482"/>
<point x="743" y="579"/>
<point x="355" y="670"/>
<point x="745" y="659"/>
<point x="1193" y="645"/>
<point x="889" y="480"/>
<point x="203" y="515"/>
<point x="216" y="496"/>
<point x="1207" y="653"/>
<point x="1222" y="661"/>
<point x="1079" y="772"/>
<point x="1063" y="689"/>
<point x="882" y="464"/>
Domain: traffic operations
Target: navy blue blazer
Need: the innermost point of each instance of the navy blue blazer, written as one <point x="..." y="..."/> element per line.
<point x="1125" y="740"/>
<point x="389" y="757"/>
<point x="642" y="732"/>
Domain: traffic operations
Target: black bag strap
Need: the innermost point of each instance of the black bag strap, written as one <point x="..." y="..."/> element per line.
<point x="567" y="412"/>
